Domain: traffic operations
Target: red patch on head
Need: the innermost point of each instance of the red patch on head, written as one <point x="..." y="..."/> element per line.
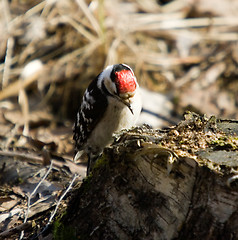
<point x="125" y="81"/>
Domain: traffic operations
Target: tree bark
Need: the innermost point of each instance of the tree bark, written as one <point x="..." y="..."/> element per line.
<point x="153" y="184"/>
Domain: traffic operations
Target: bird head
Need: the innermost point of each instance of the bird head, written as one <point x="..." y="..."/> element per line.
<point x="120" y="81"/>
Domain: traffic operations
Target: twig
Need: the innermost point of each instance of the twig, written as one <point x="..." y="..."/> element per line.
<point x="90" y="17"/>
<point x="24" y="103"/>
<point x="57" y="205"/>
<point x="36" y="9"/>
<point x="183" y="23"/>
<point x="10" y="45"/>
<point x="61" y="198"/>
<point x="8" y="61"/>
<point x="32" y="194"/>
<point x="82" y="30"/>
<point x="21" y="155"/>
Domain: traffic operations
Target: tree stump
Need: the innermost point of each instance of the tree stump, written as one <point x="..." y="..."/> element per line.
<point x="178" y="183"/>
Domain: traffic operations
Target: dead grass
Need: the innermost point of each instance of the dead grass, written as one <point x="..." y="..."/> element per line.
<point x="76" y="39"/>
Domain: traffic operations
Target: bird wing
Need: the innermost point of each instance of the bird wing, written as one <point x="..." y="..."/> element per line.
<point x="91" y="111"/>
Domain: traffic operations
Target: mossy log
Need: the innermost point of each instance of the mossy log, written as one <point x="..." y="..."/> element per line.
<point x="178" y="183"/>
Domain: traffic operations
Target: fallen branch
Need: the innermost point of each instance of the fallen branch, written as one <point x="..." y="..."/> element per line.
<point x="74" y="168"/>
<point x="11" y="231"/>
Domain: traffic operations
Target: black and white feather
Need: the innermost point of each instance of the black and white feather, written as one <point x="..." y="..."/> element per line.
<point x="93" y="106"/>
<point x="103" y="112"/>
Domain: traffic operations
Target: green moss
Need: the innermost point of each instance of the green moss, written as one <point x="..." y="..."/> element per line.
<point x="224" y="143"/>
<point x="101" y="162"/>
<point x="20" y="180"/>
<point x="62" y="232"/>
<point x="86" y="185"/>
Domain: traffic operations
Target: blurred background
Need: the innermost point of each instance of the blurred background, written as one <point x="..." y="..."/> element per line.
<point x="184" y="54"/>
<point x="184" y="51"/>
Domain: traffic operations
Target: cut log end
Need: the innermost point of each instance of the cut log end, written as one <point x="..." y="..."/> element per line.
<point x="154" y="184"/>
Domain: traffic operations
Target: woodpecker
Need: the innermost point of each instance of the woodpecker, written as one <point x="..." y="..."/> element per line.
<point x="111" y="102"/>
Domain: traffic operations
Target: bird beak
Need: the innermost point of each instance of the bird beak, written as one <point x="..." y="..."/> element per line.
<point x="128" y="105"/>
<point x="124" y="101"/>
